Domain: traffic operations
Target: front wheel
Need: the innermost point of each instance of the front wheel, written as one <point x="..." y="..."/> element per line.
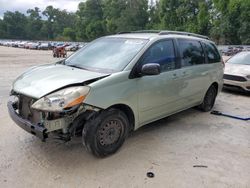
<point x="104" y="134"/>
<point x="209" y="99"/>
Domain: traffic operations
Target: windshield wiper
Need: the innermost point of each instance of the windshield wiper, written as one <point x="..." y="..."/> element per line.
<point x="76" y="66"/>
<point x="62" y="62"/>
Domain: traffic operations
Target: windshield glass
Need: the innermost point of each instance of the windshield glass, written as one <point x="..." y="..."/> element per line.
<point x="241" y="58"/>
<point x="106" y="54"/>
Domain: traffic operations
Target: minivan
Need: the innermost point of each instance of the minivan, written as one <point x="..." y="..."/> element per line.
<point x="116" y="84"/>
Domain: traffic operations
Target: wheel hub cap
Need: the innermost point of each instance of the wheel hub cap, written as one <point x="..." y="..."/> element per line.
<point x="109" y="132"/>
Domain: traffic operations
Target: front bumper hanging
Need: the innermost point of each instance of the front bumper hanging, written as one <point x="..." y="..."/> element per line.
<point x="34" y="129"/>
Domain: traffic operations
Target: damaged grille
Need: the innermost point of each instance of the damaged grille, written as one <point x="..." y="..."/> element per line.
<point x="235" y="78"/>
<point x="25" y="110"/>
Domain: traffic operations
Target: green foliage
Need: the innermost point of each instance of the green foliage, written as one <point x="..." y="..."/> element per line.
<point x="34" y="24"/>
<point x="90" y="22"/>
<point x="69" y="33"/>
<point x="122" y="15"/>
<point x="15" y="25"/>
<point x="226" y="21"/>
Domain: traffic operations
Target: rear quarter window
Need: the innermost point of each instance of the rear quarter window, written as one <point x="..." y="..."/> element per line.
<point x="191" y="52"/>
<point x="213" y="55"/>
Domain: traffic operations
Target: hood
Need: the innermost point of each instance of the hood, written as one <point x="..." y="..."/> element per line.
<point x="237" y="69"/>
<point x="41" y="80"/>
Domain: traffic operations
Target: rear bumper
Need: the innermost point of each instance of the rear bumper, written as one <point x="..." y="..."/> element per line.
<point x="36" y="130"/>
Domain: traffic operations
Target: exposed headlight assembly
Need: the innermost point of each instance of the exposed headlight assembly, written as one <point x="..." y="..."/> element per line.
<point x="62" y="99"/>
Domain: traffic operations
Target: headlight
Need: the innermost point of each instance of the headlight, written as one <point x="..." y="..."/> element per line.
<point x="60" y="100"/>
<point x="248" y="76"/>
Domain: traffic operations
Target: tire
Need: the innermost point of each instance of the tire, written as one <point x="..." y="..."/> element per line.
<point x="209" y="99"/>
<point x="105" y="133"/>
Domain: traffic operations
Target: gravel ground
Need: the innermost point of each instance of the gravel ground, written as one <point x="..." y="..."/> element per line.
<point x="169" y="148"/>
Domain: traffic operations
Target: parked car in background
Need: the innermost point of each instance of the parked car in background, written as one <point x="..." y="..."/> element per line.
<point x="81" y="45"/>
<point x="27" y="45"/>
<point x="237" y="72"/>
<point x="15" y="44"/>
<point x="72" y="47"/>
<point x="44" y="46"/>
<point x="34" y="46"/>
<point x="117" y="84"/>
<point x="22" y="44"/>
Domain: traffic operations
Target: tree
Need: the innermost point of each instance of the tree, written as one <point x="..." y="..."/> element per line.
<point x="63" y="20"/>
<point x="15" y="24"/>
<point x="69" y="33"/>
<point x="3" y="33"/>
<point x="244" y="20"/>
<point x="50" y="13"/>
<point x="134" y="17"/>
<point x="112" y="10"/>
<point x="90" y="23"/>
<point x="203" y="17"/>
<point x="34" y="23"/>
<point x="153" y="14"/>
<point x="226" y="21"/>
<point x="125" y="15"/>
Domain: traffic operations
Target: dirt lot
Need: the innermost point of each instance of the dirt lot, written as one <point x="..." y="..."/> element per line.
<point x="169" y="148"/>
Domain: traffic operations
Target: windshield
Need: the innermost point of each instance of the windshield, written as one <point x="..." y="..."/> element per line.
<point x="106" y="54"/>
<point x="241" y="58"/>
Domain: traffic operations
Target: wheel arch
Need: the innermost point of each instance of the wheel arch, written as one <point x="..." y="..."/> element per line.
<point x="216" y="85"/>
<point x="129" y="113"/>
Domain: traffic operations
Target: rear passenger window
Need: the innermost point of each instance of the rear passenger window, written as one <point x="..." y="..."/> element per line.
<point x="162" y="53"/>
<point x="191" y="52"/>
<point x="213" y="55"/>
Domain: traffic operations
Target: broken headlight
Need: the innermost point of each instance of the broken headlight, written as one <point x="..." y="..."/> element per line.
<point x="62" y="99"/>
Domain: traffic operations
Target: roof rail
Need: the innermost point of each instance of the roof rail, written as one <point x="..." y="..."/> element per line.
<point x="147" y="31"/>
<point x="182" y="33"/>
<point x="166" y="33"/>
<point x="140" y="31"/>
<point x="123" y="32"/>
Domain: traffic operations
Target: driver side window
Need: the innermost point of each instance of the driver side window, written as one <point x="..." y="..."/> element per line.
<point x="161" y="53"/>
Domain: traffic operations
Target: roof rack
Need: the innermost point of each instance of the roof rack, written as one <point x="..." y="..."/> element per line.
<point x="183" y="33"/>
<point x="166" y="33"/>
<point x="140" y="31"/>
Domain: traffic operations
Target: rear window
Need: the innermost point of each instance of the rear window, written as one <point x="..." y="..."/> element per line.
<point x="191" y="52"/>
<point x="213" y="55"/>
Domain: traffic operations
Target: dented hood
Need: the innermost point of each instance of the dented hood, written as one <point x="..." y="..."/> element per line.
<point x="41" y="80"/>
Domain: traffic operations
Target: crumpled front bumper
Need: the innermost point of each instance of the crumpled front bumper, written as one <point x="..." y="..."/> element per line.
<point x="36" y="130"/>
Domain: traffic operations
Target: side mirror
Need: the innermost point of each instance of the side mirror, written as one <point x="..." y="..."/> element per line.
<point x="151" y="69"/>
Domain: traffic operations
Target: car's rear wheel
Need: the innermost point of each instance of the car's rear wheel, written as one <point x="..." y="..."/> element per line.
<point x="104" y="134"/>
<point x="209" y="99"/>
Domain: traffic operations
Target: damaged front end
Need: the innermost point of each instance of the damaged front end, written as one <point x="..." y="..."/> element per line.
<point x="62" y="124"/>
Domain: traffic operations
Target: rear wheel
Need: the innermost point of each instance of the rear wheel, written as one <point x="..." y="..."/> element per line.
<point x="209" y="99"/>
<point x="104" y="134"/>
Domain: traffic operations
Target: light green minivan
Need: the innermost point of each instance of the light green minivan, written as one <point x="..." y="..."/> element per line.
<point x="115" y="85"/>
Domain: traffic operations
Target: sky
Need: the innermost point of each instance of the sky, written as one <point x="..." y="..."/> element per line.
<point x="24" y="5"/>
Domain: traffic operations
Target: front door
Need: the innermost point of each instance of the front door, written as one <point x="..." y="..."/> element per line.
<point x="158" y="95"/>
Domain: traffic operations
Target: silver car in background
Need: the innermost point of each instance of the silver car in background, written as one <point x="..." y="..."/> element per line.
<point x="237" y="72"/>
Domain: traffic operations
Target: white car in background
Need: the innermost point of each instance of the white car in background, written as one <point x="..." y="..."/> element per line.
<point x="22" y="44"/>
<point x="237" y="72"/>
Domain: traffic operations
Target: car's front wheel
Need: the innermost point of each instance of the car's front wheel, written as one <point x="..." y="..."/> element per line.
<point x="209" y="99"/>
<point x="105" y="133"/>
